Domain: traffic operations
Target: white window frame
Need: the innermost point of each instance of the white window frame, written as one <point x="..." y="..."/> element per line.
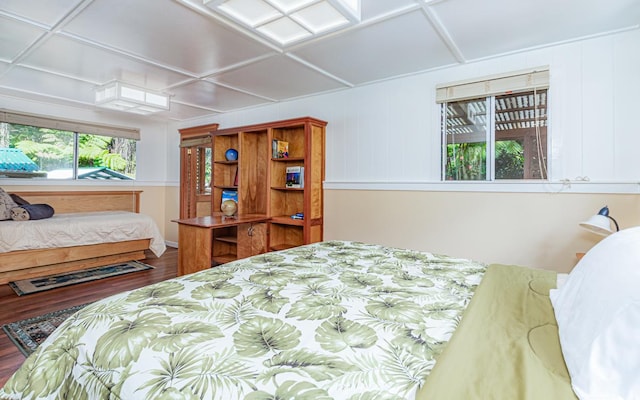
<point x="76" y="127"/>
<point x="488" y="87"/>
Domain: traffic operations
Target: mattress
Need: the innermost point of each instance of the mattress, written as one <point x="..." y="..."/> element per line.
<point x="76" y="229"/>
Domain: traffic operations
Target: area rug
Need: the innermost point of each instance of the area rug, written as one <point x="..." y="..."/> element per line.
<point x="29" y="333"/>
<point x="40" y="284"/>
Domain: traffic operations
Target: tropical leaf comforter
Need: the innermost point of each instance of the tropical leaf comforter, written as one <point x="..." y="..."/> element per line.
<point x="331" y="320"/>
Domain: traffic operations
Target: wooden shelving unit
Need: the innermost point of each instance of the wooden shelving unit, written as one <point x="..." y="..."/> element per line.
<point x="306" y="140"/>
<point x="260" y="182"/>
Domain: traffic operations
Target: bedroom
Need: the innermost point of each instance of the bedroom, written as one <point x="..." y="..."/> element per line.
<point x="383" y="147"/>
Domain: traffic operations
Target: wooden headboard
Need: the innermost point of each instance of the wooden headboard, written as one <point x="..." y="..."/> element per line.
<point x="85" y="201"/>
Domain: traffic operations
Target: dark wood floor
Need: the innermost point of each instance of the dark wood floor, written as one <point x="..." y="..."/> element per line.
<point x="14" y="307"/>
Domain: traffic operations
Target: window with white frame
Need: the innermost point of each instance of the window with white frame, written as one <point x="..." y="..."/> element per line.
<point x="33" y="146"/>
<point x="495" y="128"/>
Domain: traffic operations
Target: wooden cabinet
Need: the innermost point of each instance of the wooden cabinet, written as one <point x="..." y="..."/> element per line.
<point x="258" y="179"/>
<point x="207" y="241"/>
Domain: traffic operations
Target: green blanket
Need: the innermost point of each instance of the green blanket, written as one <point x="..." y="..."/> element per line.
<point x="506" y="346"/>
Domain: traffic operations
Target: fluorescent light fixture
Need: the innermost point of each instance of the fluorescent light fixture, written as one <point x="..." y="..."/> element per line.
<point x="289" y="21"/>
<point x="120" y="96"/>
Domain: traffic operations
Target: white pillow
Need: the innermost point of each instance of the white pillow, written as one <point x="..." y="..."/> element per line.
<point x="598" y="315"/>
<point x="6" y="204"/>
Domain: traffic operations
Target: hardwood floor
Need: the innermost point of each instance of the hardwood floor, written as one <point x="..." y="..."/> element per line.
<point x="16" y="307"/>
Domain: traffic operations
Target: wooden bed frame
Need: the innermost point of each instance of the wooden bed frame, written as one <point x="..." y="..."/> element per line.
<point x="25" y="264"/>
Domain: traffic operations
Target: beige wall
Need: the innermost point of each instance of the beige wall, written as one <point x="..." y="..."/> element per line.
<point x="529" y="229"/>
<point x="172" y="212"/>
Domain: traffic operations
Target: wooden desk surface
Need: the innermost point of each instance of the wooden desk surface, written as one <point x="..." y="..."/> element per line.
<point x="219" y="220"/>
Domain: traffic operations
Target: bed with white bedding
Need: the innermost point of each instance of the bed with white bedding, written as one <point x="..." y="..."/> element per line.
<point x="80" y="229"/>
<point x="88" y="229"/>
<point x="354" y="321"/>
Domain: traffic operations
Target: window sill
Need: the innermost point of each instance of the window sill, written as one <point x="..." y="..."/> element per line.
<point x="505" y="187"/>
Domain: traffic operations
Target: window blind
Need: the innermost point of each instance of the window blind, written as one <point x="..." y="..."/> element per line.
<point x="537" y="78"/>
<point x="68" y="125"/>
<point x="199" y="141"/>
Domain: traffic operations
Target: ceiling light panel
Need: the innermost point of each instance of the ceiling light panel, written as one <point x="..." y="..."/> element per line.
<point x="289" y="21"/>
<point x="249" y="12"/>
<point x="120" y="96"/>
<point x="284" y="31"/>
<point x="320" y="17"/>
<point x="288" y="6"/>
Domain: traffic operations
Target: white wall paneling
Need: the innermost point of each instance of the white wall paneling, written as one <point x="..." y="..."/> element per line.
<point x="389" y="131"/>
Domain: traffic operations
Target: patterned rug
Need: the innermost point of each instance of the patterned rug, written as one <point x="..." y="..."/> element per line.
<point x="35" y="285"/>
<point x="29" y="333"/>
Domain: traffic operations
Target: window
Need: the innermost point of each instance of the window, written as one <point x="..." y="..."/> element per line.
<point x="38" y="147"/>
<point x="495" y="128"/>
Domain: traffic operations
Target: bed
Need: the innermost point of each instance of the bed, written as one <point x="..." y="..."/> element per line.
<point x="108" y="228"/>
<point x="330" y="320"/>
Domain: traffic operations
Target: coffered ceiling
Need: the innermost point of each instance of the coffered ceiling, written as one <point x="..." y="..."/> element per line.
<point x="61" y="50"/>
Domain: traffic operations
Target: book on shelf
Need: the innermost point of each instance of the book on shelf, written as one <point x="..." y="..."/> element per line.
<point x="279" y="149"/>
<point x="295" y="177"/>
<point x="229" y="194"/>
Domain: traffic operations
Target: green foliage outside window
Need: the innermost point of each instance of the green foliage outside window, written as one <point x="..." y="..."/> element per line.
<point x="54" y="149"/>
<point x="466" y="161"/>
<point x="509" y="159"/>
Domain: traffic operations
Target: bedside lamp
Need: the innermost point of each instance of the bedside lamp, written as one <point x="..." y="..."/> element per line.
<point x="600" y="223"/>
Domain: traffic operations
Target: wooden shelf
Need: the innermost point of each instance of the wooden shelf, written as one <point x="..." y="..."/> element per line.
<point x="288" y="159"/>
<point x="287" y="188"/>
<point x="227" y="239"/>
<point x="287" y="220"/>
<point x="223" y="259"/>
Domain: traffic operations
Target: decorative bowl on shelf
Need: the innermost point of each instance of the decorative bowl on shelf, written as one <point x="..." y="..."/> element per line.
<point x="231" y="155"/>
<point x="229" y="207"/>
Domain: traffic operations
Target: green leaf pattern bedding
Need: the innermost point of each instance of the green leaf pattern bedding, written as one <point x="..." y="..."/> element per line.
<point x="331" y="320"/>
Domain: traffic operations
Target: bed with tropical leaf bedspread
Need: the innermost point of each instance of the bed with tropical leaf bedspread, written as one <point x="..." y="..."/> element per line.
<point x="330" y="320"/>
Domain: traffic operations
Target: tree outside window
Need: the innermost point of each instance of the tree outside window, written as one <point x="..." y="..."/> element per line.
<point x="31" y="151"/>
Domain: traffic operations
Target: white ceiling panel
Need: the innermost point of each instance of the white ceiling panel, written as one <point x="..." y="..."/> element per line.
<point x="377" y="9"/>
<point x="397" y="46"/>
<point x="215" y="97"/>
<point x="278" y="78"/>
<point x="59" y="50"/>
<point x="486" y="28"/>
<point x="47" y="12"/>
<point x="3" y="67"/>
<point x="51" y="86"/>
<point x="181" y="112"/>
<point x="70" y="57"/>
<point x="165" y="32"/>
<point x="15" y="37"/>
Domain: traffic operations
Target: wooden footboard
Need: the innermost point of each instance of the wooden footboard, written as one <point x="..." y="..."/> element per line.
<point x="26" y="264"/>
